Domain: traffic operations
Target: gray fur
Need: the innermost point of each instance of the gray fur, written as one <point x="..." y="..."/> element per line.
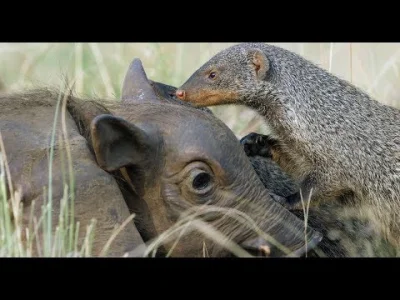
<point x="329" y="130"/>
<point x="346" y="233"/>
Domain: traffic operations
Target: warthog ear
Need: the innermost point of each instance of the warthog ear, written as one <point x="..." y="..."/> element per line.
<point x="136" y="87"/>
<point x="118" y="143"/>
<point x="164" y="91"/>
<point x="259" y="62"/>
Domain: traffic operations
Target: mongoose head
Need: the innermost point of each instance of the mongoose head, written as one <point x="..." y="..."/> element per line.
<point x="227" y="76"/>
<point x="168" y="93"/>
<point x="176" y="160"/>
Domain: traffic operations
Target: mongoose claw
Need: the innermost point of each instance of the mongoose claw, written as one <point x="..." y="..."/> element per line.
<point x="258" y="144"/>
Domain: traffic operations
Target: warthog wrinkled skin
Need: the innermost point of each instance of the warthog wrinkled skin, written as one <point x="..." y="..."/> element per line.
<point x="173" y="159"/>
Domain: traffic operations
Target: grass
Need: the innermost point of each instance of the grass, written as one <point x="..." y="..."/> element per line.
<point x="98" y="70"/>
<point x="41" y="237"/>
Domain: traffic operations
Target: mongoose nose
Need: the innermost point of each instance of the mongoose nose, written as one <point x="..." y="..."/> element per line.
<point x="180" y="94"/>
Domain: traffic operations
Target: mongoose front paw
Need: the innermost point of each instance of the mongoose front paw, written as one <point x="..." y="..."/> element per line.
<point x="258" y="144"/>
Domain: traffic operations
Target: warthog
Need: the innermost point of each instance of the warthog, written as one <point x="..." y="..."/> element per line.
<point x="179" y="162"/>
<point x="170" y="162"/>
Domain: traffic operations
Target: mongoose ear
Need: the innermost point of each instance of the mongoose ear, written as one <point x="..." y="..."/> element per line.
<point x="118" y="143"/>
<point x="164" y="91"/>
<point x="260" y="63"/>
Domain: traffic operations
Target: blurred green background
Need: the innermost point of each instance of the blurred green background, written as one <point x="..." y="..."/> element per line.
<point x="99" y="68"/>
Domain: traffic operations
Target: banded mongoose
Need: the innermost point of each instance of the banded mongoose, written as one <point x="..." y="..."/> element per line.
<point x="344" y="234"/>
<point x="334" y="139"/>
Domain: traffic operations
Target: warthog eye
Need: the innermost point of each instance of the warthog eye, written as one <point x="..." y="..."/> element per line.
<point x="198" y="182"/>
<point x="201" y="181"/>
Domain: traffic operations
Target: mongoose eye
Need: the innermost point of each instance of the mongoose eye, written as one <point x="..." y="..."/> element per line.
<point x="212" y="75"/>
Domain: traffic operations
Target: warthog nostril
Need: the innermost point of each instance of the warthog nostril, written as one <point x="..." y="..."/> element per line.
<point x="263" y="251"/>
<point x="266" y="250"/>
<point x="257" y="247"/>
<point x="180" y="94"/>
